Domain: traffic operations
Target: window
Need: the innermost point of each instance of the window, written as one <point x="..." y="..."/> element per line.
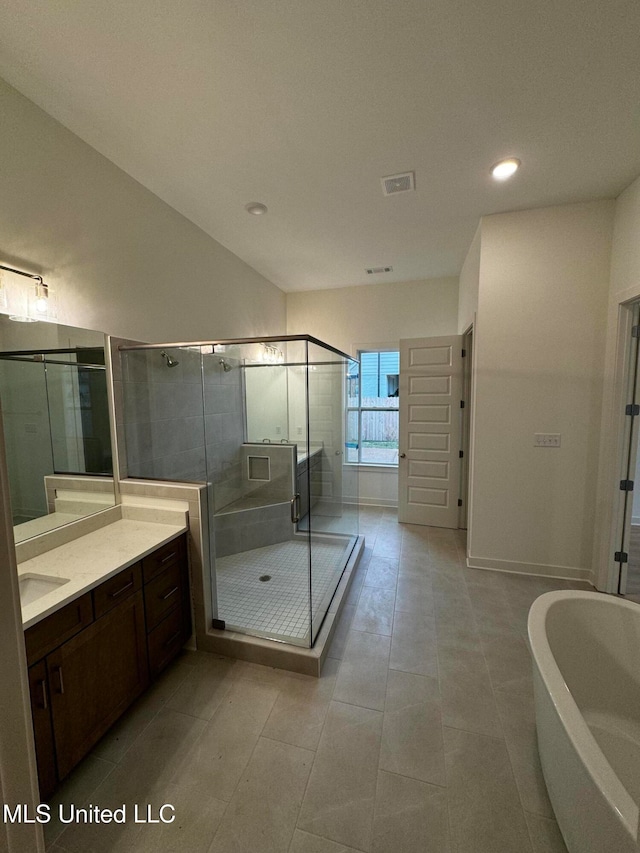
<point x="372" y="408"/>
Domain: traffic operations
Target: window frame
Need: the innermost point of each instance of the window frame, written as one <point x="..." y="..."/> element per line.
<point x="360" y="351"/>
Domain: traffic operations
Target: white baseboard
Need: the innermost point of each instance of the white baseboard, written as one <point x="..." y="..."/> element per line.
<point x="570" y="573"/>
<point x="373" y="502"/>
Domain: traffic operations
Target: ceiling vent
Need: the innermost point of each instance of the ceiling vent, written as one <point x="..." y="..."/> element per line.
<point x="404" y="183"/>
<point x="377" y="270"/>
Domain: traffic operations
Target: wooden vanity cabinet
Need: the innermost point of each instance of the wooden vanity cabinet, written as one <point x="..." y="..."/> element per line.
<point x="43" y="728"/>
<point x="167" y="605"/>
<point x="93" y="679"/>
<point x="95" y="657"/>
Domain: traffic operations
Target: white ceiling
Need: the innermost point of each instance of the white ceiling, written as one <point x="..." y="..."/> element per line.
<point x="305" y="104"/>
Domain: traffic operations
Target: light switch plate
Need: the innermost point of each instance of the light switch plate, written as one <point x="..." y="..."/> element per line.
<point x="546" y="439"/>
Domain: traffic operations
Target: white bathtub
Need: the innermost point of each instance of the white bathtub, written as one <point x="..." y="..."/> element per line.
<point x="586" y="672"/>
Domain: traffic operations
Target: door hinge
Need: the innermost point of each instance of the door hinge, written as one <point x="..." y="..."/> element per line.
<point x="464" y="353"/>
<point x="459" y="501"/>
<point x="621" y="557"/>
<point x="461" y="454"/>
<point x="462" y="404"/>
<point x="632" y="409"/>
<point x="635" y="331"/>
<point x="219" y="623"/>
<point x="626" y="485"/>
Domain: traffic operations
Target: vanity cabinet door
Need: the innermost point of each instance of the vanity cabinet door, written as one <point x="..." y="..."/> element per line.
<point x="94" y="677"/>
<point x="42" y="729"/>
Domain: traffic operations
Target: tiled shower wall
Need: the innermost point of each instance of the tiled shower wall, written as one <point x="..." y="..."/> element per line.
<point x="223" y="428"/>
<point x="163" y="424"/>
<point x="325" y="427"/>
<point x="168" y="426"/>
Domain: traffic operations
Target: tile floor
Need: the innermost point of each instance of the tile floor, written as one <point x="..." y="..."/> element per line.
<point x="279" y="608"/>
<point x="418" y="738"/>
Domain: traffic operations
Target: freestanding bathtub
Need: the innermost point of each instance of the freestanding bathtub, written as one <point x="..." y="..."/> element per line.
<point x="586" y="673"/>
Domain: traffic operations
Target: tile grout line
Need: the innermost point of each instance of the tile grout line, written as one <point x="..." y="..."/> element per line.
<point x="504" y="739"/>
<point x="241" y="774"/>
<point x="324" y="723"/>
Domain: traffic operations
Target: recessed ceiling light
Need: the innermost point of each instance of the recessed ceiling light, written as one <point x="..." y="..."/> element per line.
<point x="257" y="208"/>
<point x="505" y="168"/>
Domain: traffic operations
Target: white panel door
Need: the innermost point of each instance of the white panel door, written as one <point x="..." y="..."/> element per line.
<point x="429" y="463"/>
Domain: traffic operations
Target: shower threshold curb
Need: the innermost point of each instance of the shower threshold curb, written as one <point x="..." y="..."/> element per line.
<point x="284" y="655"/>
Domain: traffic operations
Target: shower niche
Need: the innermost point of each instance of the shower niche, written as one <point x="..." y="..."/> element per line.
<point x="261" y="421"/>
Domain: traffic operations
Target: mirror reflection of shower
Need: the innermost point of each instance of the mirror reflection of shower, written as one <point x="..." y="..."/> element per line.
<point x="171" y="362"/>
<point x="223" y="364"/>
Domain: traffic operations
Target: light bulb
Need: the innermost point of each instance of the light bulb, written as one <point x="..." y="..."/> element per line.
<point x="505" y="168"/>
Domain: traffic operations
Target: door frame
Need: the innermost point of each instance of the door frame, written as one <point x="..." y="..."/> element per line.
<point x="614" y="441"/>
<point x="465" y="432"/>
<point x="18" y="774"/>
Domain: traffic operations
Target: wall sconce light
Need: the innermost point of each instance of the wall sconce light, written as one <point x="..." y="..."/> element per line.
<point x="27" y="302"/>
<point x="272" y="355"/>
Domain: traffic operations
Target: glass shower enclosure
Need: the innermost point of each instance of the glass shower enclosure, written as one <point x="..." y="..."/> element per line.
<point x="262" y="422"/>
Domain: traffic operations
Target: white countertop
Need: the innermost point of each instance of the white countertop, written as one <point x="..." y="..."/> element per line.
<point x="37" y="526"/>
<point x="92" y="559"/>
<point x="304" y="454"/>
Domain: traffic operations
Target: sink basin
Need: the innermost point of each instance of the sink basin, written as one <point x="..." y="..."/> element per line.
<point x="33" y="587"/>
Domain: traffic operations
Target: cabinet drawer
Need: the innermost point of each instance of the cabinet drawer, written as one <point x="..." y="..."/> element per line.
<point x="165" y="641"/>
<point x="56" y="629"/>
<point x="162" y="594"/>
<point x="116" y="589"/>
<point x="172" y="552"/>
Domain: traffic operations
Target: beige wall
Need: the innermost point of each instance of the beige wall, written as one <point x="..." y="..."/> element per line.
<point x="625" y="256"/>
<point x="539" y="354"/>
<point x="375" y="313"/>
<point x="469" y="283"/>
<point x="122" y="261"/>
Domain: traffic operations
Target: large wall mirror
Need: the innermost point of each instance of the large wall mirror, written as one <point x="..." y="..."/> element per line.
<point x="53" y="391"/>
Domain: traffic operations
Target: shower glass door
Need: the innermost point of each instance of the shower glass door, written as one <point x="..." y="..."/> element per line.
<point x="333" y="513"/>
<point x="255" y="434"/>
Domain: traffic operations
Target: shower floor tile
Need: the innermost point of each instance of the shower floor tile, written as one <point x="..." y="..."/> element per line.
<point x="278" y="608"/>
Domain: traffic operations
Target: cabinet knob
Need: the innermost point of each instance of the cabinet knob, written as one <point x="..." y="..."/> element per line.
<point x="402" y="455"/>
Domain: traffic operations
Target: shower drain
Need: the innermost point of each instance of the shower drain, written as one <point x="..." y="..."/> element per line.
<point x="264" y="578"/>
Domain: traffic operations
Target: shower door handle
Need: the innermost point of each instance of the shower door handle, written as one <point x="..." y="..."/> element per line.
<point x="295" y="509"/>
